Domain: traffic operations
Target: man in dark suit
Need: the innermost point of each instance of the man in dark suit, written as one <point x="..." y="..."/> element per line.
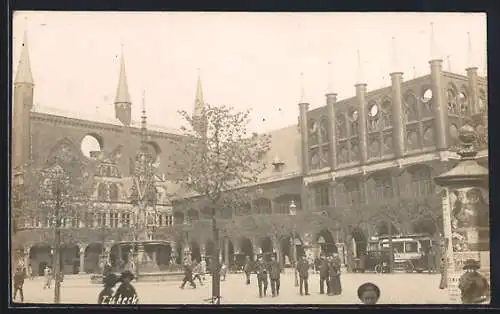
<point x="248" y="269"/>
<point x="274" y="276"/>
<point x="303" y="270"/>
<point x="261" y="269"/>
<point x="323" y="275"/>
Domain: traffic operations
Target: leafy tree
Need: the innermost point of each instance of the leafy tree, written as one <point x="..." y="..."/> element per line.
<point x="216" y="158"/>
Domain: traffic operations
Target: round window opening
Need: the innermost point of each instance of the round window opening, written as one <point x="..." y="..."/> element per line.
<point x="90" y="146"/>
<point x="373" y="110"/>
<point x="427" y="96"/>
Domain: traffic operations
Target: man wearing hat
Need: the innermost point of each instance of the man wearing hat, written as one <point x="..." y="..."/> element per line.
<point x="368" y="293"/>
<point x="126" y="294"/>
<point x="323" y="275"/>
<point x="473" y="286"/>
<point x="303" y="270"/>
<point x="188" y="275"/>
<point x="262" y="276"/>
<point x="274" y="276"/>
<point x="106" y="295"/>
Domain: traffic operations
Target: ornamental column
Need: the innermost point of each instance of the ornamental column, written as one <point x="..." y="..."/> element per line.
<point x="466" y="213"/>
<point x="361" y="100"/>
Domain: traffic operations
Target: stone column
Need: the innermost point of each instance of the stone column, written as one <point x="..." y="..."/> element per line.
<point x="362" y="111"/>
<point x="226" y="251"/>
<point x="439" y="105"/>
<point x="397" y="114"/>
<point x="473" y="97"/>
<point x="82" y="248"/>
<point x="303" y="108"/>
<point x="331" y="99"/>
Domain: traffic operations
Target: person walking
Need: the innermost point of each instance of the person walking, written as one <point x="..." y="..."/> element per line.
<point x="473" y="286"/>
<point x="223" y="271"/>
<point x="323" y="275"/>
<point x="274" y="276"/>
<point x="106" y="295"/>
<point x="126" y="294"/>
<point x="443" y="283"/>
<point x="197" y="272"/>
<point x="47" y="276"/>
<point x="188" y="275"/>
<point x="30" y="272"/>
<point x="19" y="277"/>
<point x="262" y="277"/>
<point x="431" y="260"/>
<point x="203" y="267"/>
<point x="336" y="288"/>
<point x="248" y="268"/>
<point x="303" y="270"/>
<point x="331" y="274"/>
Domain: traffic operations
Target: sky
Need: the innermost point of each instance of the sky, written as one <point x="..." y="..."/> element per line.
<point x="246" y="60"/>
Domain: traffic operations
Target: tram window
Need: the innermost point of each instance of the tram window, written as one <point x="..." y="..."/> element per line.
<point x="411" y="247"/>
<point x="398" y="247"/>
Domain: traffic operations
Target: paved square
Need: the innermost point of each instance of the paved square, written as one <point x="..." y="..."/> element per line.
<point x="395" y="289"/>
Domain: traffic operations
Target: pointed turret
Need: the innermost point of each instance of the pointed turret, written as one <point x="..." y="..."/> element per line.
<point x="198" y="103"/>
<point x="144" y="128"/>
<point x="24" y="74"/>
<point x="122" y="94"/>
<point x="123" y="111"/>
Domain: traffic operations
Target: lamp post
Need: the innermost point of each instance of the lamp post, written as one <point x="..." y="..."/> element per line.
<point x="293" y="213"/>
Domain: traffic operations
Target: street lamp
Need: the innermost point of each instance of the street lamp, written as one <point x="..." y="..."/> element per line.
<point x="293" y="213"/>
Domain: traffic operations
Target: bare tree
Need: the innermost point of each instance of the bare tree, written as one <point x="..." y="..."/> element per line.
<point x="215" y="156"/>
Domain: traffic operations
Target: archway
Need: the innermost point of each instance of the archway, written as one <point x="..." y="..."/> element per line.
<point x="360" y="243"/>
<point x="92" y="256"/>
<point x="195" y="252"/>
<point x="40" y="256"/>
<point x="247" y="248"/>
<point x="326" y="242"/>
<point x="69" y="258"/>
<point x="266" y="245"/>
<point x="287" y="248"/>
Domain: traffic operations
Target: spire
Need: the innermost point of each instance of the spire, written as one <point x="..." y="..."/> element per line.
<point x="470" y="62"/>
<point x="199" y="103"/>
<point x="433" y="44"/>
<point x="122" y="94"/>
<point x="24" y="74"/>
<point x="144" y="129"/>
<point x="395" y="60"/>
<point x="359" y="73"/>
<point x="448" y="61"/>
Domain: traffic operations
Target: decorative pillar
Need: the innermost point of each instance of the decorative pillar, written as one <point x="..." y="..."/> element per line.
<point x="439" y="105"/>
<point x="397" y="114"/>
<point x="473" y="96"/>
<point x="82" y="248"/>
<point x="361" y="98"/>
<point x="331" y="99"/>
<point x="466" y="213"/>
<point x="303" y="108"/>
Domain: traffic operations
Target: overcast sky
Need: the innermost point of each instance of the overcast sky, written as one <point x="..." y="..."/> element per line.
<point x="247" y="60"/>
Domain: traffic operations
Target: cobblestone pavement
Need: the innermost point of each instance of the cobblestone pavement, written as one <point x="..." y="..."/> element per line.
<point x="395" y="289"/>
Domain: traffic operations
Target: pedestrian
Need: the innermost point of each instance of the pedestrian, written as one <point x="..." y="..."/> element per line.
<point x="303" y="270"/>
<point x="323" y="275"/>
<point x="203" y="267"/>
<point x="274" y="276"/>
<point x="19" y="283"/>
<point x="223" y="271"/>
<point x="126" y="294"/>
<point x="196" y="272"/>
<point x="47" y="276"/>
<point x="443" y="283"/>
<point x="369" y="293"/>
<point x="30" y="272"/>
<point x="188" y="275"/>
<point x="331" y="274"/>
<point x="106" y="295"/>
<point x="473" y="286"/>
<point x="431" y="260"/>
<point x="336" y="287"/>
<point x="262" y="277"/>
<point x="248" y="268"/>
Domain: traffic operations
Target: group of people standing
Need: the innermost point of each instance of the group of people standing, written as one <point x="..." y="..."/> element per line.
<point x="330" y="270"/>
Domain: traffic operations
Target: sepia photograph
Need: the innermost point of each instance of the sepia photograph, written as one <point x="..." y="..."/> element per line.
<point x="249" y="158"/>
